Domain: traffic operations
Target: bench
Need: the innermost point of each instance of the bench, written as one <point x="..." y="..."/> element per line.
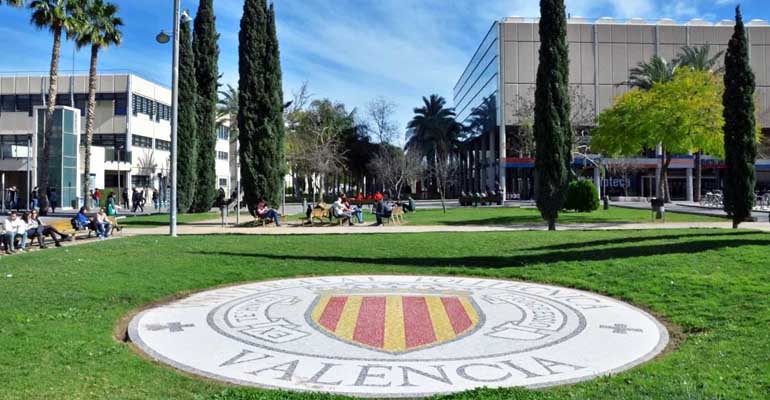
<point x="65" y="226"/>
<point x="318" y="213"/>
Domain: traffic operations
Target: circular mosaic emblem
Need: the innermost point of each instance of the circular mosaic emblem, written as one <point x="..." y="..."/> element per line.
<point x="398" y="336"/>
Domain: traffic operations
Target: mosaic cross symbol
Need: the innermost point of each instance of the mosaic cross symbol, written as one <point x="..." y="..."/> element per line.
<point x="622" y="329"/>
<point x="173" y="327"/>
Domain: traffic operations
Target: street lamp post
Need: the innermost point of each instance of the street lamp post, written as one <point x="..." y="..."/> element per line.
<point x="162" y="38"/>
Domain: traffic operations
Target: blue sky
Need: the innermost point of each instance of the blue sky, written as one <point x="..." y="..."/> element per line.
<point x="347" y="50"/>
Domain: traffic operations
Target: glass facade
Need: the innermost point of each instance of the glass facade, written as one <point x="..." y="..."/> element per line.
<point x="475" y="94"/>
<point x="63" y="161"/>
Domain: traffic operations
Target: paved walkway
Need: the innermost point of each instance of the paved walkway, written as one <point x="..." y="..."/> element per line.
<point x="691" y="208"/>
<point x="292" y="228"/>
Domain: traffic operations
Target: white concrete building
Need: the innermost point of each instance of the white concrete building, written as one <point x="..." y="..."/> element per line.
<point x="132" y="136"/>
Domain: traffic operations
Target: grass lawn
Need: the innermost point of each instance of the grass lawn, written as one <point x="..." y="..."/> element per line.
<point x="60" y="307"/>
<point x="513" y="216"/>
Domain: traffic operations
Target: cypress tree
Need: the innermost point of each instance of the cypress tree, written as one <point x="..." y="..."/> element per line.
<point x="187" y="133"/>
<point x="740" y="126"/>
<point x="206" y="51"/>
<point x="552" y="130"/>
<point x="260" y="117"/>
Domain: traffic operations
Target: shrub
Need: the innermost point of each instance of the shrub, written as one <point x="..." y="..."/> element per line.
<point x="582" y="196"/>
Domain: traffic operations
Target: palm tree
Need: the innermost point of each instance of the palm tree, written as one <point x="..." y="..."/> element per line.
<point x="434" y="131"/>
<point x="700" y="59"/>
<point x="648" y="73"/>
<point x="227" y="107"/>
<point x="99" y="28"/>
<point x="56" y="16"/>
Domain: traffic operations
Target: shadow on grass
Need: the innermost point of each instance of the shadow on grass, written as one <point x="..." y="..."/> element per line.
<point x="637" y="239"/>
<point x="690" y="247"/>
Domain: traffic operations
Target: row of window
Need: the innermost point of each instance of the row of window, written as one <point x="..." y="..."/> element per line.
<point x="26" y="103"/>
<point x="151" y="108"/>
<point x="118" y="141"/>
<point x="222" y="155"/>
<point x="141" y="141"/>
<point x="142" y="181"/>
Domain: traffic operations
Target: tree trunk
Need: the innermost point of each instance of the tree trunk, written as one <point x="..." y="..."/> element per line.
<point x="698" y="175"/>
<point x="52" y="92"/>
<point x="552" y="224"/>
<point x="90" y="122"/>
<point x="664" y="188"/>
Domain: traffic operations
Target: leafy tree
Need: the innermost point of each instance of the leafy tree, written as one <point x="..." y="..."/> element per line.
<point x="648" y="73"/>
<point x="318" y="137"/>
<point x="187" y="136"/>
<point x="682" y="115"/>
<point x="434" y="132"/>
<point x="98" y="28"/>
<point x="56" y="16"/>
<point x="552" y="129"/>
<point x="699" y="59"/>
<point x="260" y="115"/>
<point x="206" y="52"/>
<point x="740" y="126"/>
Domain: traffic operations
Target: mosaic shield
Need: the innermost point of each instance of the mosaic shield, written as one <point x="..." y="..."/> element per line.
<point x="395" y="323"/>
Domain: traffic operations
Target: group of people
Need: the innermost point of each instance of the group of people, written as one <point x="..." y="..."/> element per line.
<point x="25" y="228"/>
<point x="382" y="209"/>
<point x="100" y="223"/>
<point x="12" y="199"/>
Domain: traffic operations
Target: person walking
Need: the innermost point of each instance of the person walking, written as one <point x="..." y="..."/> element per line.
<point x="35" y="199"/>
<point x="155" y="199"/>
<point x="124" y="197"/>
<point x="53" y="198"/>
<point x="97" y="198"/>
<point x="110" y="204"/>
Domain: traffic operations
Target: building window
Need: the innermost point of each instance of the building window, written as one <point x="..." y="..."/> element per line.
<point x="13" y="146"/>
<point x="141" y="181"/>
<point x="121" y="103"/>
<point x="222" y="155"/>
<point x="222" y="182"/>
<point x="141" y="141"/>
<point x="151" y="108"/>
<point x="163" y="145"/>
<point x="223" y="132"/>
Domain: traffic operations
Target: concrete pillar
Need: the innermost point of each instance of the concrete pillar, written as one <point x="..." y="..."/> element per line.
<point x="690" y="185"/>
<point x="492" y="165"/>
<point x="502" y="172"/>
<point x="477" y="166"/>
<point x="484" y="161"/>
<point x="658" y="164"/>
<point x="598" y="181"/>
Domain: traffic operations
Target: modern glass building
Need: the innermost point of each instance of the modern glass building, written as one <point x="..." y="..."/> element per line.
<point x="494" y="97"/>
<point x="63" y="162"/>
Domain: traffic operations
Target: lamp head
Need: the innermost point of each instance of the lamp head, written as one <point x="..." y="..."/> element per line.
<point x="163" y="37"/>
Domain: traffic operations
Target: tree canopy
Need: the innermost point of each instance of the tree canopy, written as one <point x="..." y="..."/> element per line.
<point x="684" y="115"/>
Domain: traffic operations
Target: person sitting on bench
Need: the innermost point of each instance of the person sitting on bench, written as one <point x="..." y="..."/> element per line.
<point x="382" y="210"/>
<point x="339" y="212"/>
<point x="42" y="230"/>
<point x="353" y="210"/>
<point x="265" y="212"/>
<point x="81" y="221"/>
<point x="14" y="228"/>
<point x="102" y="225"/>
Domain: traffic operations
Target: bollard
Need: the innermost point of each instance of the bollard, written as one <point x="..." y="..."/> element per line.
<point x="606" y="200"/>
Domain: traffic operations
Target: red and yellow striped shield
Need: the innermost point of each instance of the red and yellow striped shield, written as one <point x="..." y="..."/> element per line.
<point x="395" y="323"/>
